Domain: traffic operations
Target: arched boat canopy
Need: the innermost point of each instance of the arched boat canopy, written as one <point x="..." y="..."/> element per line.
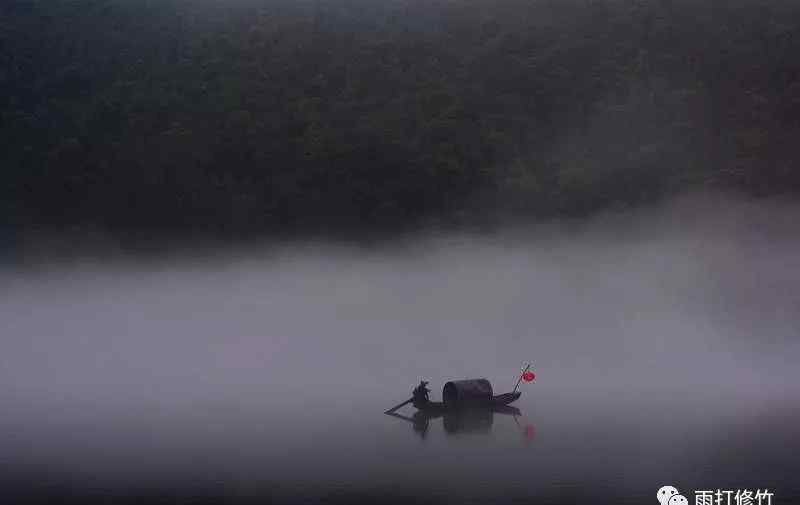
<point x="467" y="392"/>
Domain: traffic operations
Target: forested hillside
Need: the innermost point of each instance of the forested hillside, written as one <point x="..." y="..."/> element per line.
<point x="244" y="116"/>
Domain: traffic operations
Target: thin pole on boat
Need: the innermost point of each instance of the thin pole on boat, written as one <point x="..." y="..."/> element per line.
<point x="519" y="379"/>
<point x="398" y="406"/>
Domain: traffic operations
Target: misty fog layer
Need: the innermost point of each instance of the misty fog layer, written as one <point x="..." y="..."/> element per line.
<point x="700" y="297"/>
<point x="678" y="320"/>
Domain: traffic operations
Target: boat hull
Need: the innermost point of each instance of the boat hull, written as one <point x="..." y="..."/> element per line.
<point x="494" y="402"/>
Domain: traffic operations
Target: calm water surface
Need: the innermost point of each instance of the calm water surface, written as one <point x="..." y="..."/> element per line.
<point x="664" y="358"/>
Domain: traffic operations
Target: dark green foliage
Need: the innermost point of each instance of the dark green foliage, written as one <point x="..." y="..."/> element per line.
<point x="261" y="116"/>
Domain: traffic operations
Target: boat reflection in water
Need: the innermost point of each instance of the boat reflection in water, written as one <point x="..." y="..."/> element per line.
<point x="472" y="420"/>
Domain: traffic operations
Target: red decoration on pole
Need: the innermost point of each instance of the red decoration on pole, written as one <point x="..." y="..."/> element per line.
<point x="528" y="376"/>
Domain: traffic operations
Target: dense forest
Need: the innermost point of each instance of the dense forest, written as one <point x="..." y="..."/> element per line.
<point x="248" y="116"/>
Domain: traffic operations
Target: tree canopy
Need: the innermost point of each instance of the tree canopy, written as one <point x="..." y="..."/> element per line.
<point x="257" y="116"/>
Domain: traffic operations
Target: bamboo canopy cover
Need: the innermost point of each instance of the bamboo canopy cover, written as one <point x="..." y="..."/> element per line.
<point x="465" y="392"/>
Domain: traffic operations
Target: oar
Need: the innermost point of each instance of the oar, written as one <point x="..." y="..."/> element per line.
<point x="399" y="405"/>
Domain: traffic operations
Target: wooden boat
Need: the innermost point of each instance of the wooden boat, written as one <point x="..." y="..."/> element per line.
<point x="495" y="402"/>
<point x="460" y="395"/>
<point x="465" y="394"/>
<point x="466" y="406"/>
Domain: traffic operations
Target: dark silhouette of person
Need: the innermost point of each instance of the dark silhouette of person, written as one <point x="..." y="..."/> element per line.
<point x="420" y="394"/>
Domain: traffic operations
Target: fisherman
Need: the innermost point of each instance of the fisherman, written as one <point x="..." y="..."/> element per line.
<point x="420" y="394"/>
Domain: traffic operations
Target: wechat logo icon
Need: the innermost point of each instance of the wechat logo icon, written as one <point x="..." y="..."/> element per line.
<point x="669" y="495"/>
